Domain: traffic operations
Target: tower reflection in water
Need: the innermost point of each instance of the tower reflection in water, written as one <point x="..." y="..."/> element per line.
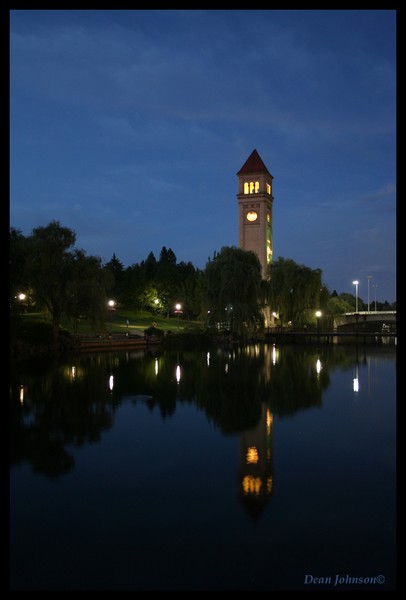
<point x="255" y="464"/>
<point x="255" y="460"/>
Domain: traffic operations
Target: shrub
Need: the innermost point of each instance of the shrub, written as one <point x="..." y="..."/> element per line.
<point x="154" y="331"/>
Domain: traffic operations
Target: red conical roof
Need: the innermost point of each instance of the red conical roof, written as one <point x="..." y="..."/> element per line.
<point x="253" y="164"/>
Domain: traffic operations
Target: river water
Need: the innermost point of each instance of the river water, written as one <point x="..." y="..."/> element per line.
<point x="243" y="468"/>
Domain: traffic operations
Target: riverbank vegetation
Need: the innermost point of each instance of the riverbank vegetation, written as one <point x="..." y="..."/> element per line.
<point x="58" y="292"/>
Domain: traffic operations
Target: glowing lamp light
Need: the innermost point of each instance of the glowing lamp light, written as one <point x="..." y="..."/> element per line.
<point x="356" y="294"/>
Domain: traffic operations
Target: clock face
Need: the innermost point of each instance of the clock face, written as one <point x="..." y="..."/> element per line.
<point x="252" y="216"/>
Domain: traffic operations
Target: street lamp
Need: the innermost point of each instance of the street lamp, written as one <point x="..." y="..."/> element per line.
<point x="178" y="311"/>
<point x="318" y="315"/>
<point x="22" y="301"/>
<point x="375" y="285"/>
<point x="356" y="295"/>
<point x="369" y="277"/>
<point x="111" y="304"/>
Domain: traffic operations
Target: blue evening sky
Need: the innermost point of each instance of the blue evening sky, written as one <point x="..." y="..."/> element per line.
<point x="129" y="126"/>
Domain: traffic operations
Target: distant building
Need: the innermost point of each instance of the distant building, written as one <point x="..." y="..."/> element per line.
<point x="255" y="210"/>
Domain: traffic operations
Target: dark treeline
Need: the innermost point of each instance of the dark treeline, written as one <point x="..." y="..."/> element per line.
<point x="47" y="273"/>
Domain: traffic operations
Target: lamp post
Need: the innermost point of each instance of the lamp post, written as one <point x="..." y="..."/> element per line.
<point x="374" y="285"/>
<point x="111" y="305"/>
<point x="369" y="277"/>
<point x="318" y="315"/>
<point x="178" y="311"/>
<point x="22" y="301"/>
<point x="274" y="316"/>
<point x="356" y="295"/>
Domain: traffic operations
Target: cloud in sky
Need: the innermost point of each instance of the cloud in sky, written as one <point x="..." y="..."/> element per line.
<point x="129" y="127"/>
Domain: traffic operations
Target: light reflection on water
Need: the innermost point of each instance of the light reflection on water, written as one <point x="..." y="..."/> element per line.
<point x="259" y="468"/>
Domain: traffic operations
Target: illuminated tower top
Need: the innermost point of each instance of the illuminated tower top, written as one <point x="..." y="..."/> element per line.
<point x="255" y="210"/>
<point x="254" y="164"/>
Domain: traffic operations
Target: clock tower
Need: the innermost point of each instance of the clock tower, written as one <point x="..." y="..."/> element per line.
<point x="255" y="210"/>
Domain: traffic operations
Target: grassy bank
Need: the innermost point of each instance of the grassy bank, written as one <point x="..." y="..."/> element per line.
<point x="31" y="333"/>
<point x="137" y="323"/>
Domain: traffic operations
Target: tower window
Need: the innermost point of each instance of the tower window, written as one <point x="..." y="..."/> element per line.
<point x="268" y="188"/>
<point x="251" y="188"/>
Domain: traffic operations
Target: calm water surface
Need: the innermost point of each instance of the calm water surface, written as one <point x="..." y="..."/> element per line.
<point x="255" y="468"/>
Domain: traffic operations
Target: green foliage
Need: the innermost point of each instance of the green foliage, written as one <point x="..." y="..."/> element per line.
<point x="35" y="334"/>
<point x="18" y="268"/>
<point x="156" y="286"/>
<point x="293" y="289"/>
<point x="62" y="279"/>
<point x="350" y="301"/>
<point x="233" y="283"/>
<point x="38" y="332"/>
<point x="189" y="340"/>
<point x="154" y="331"/>
<point x="72" y="288"/>
<point x="339" y="305"/>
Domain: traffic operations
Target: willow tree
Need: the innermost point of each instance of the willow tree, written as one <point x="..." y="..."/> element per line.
<point x="62" y="278"/>
<point x="294" y="289"/>
<point x="17" y="272"/>
<point x="233" y="285"/>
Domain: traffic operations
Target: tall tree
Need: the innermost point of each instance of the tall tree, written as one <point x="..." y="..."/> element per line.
<point x="190" y="289"/>
<point x="149" y="266"/>
<point x="87" y="290"/>
<point x="18" y="269"/>
<point x="293" y="289"/>
<point x="233" y="283"/>
<point x="56" y="272"/>
<point x="116" y="268"/>
<point x="167" y="280"/>
<point x="134" y="283"/>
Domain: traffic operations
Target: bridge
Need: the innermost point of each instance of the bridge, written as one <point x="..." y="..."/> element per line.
<point x="372" y="320"/>
<point x="367" y="327"/>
